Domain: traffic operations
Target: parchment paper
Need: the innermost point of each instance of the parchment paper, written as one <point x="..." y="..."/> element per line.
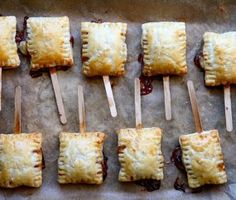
<point x="39" y="111"/>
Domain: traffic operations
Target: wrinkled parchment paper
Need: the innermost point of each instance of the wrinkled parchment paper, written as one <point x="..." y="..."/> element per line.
<point x="39" y="111"/>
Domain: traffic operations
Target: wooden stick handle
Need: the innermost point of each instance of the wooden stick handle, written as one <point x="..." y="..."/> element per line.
<point x="195" y="110"/>
<point x="137" y="100"/>
<point x="228" y="109"/>
<point x="0" y="88"/>
<point x="17" y="123"/>
<point x="167" y="97"/>
<point x="110" y="97"/>
<point x="57" y="92"/>
<point x="82" y="116"/>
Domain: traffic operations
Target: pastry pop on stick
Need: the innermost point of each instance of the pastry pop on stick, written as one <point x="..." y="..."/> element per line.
<point x="104" y="53"/>
<point x="164" y="47"/>
<point x="81" y="157"/>
<point x="219" y="62"/>
<point x="139" y="151"/>
<point x="21" y="157"/>
<point x="201" y="151"/>
<point x="8" y="48"/>
<point x="48" y="43"/>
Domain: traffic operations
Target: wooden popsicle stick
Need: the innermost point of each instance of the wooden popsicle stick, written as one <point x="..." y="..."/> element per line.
<point x="137" y="100"/>
<point x="17" y="121"/>
<point x="110" y="97"/>
<point x="167" y="97"/>
<point x="81" y="107"/>
<point x="57" y="92"/>
<point x="228" y="109"/>
<point x="0" y="88"/>
<point x="195" y="110"/>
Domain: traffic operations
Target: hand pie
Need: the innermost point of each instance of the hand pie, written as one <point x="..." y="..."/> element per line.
<point x="203" y="159"/>
<point x="8" y="48"/>
<point x="20" y="160"/>
<point x="48" y="42"/>
<point x="104" y="51"/>
<point x="140" y="155"/>
<point x="219" y="58"/>
<point x="164" y="47"/>
<point x="81" y="158"/>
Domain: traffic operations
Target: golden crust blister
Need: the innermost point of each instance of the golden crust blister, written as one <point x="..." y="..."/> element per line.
<point x="20" y="160"/>
<point x="140" y="155"/>
<point x="8" y="48"/>
<point x="164" y="48"/>
<point x="48" y="42"/>
<point x="104" y="51"/>
<point x="203" y="159"/>
<point x="219" y="58"/>
<point x="81" y="158"/>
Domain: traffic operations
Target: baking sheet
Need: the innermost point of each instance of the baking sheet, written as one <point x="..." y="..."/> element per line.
<point x="39" y="111"/>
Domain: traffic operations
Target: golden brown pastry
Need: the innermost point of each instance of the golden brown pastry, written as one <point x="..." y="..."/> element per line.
<point x="219" y="58"/>
<point x="104" y="50"/>
<point x="203" y="158"/>
<point x="140" y="155"/>
<point x="48" y="42"/>
<point x="164" y="47"/>
<point x="81" y="158"/>
<point x="20" y="160"/>
<point x="8" y="48"/>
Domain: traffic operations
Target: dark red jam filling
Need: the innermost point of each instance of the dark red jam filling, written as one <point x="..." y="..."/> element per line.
<point x="178" y="185"/>
<point x="145" y="81"/>
<point x="97" y="21"/>
<point x="197" y="59"/>
<point x="140" y="59"/>
<point x="43" y="161"/>
<point x="176" y="158"/>
<point x="104" y="166"/>
<point x="39" y="72"/>
<point x="146" y="86"/>
<point x="149" y="184"/>
<point x="20" y="34"/>
<point x="72" y="41"/>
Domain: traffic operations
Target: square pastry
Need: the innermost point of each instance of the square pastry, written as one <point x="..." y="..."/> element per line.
<point x="164" y="48"/>
<point x="8" y="48"/>
<point x="48" y="42"/>
<point x="203" y="159"/>
<point x="81" y="158"/>
<point x="140" y="155"/>
<point x="20" y="160"/>
<point x="219" y="58"/>
<point x="104" y="50"/>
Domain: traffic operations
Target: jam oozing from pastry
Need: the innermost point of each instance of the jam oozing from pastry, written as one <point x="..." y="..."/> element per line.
<point x="140" y="59"/>
<point x="97" y="21"/>
<point x="197" y="59"/>
<point x="84" y="59"/>
<point x="104" y="166"/>
<point x="145" y="81"/>
<point x="43" y="161"/>
<point x="39" y="72"/>
<point x="178" y="185"/>
<point x="176" y="158"/>
<point x="20" y="35"/>
<point x="146" y="85"/>
<point x="120" y="148"/>
<point x="72" y="41"/>
<point x="35" y="74"/>
<point x="149" y="184"/>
